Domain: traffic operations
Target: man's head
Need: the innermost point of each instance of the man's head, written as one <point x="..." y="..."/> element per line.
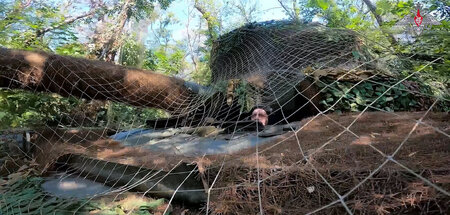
<point x="260" y="115"/>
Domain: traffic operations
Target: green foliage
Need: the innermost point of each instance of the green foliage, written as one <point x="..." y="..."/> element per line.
<point x="74" y="49"/>
<point x="210" y="12"/>
<point x="240" y="93"/>
<point x="25" y="109"/>
<point x="150" y="61"/>
<point x="337" y="14"/>
<point x="347" y="96"/>
<point x="143" y="8"/>
<point x="123" y="116"/>
<point x="163" y="33"/>
<point x="137" y="9"/>
<point x="19" y="26"/>
<point x="202" y="75"/>
<point x="166" y="57"/>
<point x="170" y="60"/>
<point x="132" y="52"/>
<point x="396" y="10"/>
<point x="429" y="46"/>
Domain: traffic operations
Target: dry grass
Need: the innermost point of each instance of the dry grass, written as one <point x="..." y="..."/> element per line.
<point x="344" y="160"/>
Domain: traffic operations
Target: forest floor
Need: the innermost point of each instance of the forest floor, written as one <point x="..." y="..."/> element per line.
<point x="383" y="162"/>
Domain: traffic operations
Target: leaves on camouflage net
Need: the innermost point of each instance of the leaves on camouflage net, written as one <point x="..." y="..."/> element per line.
<point x="351" y="97"/>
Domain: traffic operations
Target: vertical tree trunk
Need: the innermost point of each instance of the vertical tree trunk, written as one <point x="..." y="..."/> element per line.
<point x="109" y="49"/>
<point x="373" y="10"/>
<point x="212" y="34"/>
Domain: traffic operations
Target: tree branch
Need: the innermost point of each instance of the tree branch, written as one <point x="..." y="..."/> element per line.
<point x="41" y="32"/>
<point x="373" y="9"/>
<point x="286" y="9"/>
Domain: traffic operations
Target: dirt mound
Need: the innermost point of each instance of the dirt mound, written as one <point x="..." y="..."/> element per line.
<point x="345" y="162"/>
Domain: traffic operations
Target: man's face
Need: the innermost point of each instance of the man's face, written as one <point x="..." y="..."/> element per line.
<point x="260" y="115"/>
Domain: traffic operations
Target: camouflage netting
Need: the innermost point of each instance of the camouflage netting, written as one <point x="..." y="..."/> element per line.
<point x="285" y="47"/>
<point x="281" y="66"/>
<point x="311" y="158"/>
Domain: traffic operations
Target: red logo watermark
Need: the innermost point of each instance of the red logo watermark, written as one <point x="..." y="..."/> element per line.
<point x="418" y="19"/>
<point x="415" y="23"/>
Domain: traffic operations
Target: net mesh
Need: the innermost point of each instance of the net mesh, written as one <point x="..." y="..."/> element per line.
<point x="336" y="140"/>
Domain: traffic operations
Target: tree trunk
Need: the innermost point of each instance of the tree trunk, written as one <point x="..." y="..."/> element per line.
<point x="68" y="76"/>
<point x="373" y="10"/>
<point x="109" y="49"/>
<point x="212" y="34"/>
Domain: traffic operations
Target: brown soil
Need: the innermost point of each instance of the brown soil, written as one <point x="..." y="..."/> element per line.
<point x="303" y="172"/>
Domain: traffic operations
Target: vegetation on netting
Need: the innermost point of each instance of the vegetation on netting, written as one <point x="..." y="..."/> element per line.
<point x="239" y="90"/>
<point x="415" y="93"/>
<point x="350" y="96"/>
<point x="345" y="96"/>
<point x="409" y="56"/>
